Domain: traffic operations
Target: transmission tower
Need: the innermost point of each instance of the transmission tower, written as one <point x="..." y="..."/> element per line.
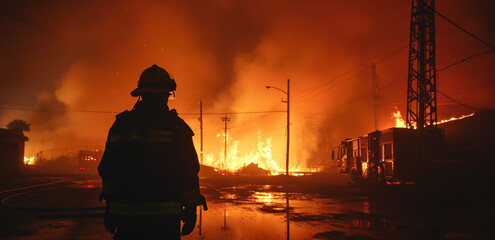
<point x="376" y="92"/>
<point x="421" y="81"/>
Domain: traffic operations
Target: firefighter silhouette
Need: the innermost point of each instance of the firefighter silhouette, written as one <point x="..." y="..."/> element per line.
<point x="150" y="168"/>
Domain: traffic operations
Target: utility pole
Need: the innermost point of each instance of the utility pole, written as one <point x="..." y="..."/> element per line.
<point x="422" y="86"/>
<point x="288" y="123"/>
<point x="287" y="214"/>
<point x="201" y="158"/>
<point x="201" y="128"/>
<point x="288" y="128"/>
<point x="201" y="155"/>
<point x="225" y="119"/>
<point x="376" y="91"/>
<point x="421" y="79"/>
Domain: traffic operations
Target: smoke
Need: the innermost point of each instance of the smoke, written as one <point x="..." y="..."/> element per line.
<point x="87" y="55"/>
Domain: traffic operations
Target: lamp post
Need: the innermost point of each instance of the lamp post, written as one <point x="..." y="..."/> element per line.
<point x="288" y="122"/>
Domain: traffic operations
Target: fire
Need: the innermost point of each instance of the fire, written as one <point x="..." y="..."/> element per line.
<point x="399" y="122"/>
<point x="29" y="160"/>
<point x="261" y="156"/>
<point x="454" y="118"/>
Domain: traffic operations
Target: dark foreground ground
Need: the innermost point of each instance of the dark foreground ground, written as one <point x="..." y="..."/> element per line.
<point x="311" y="207"/>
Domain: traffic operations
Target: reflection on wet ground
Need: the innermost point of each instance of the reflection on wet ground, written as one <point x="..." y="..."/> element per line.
<point x="263" y="212"/>
<point x="269" y="208"/>
<point x="255" y="211"/>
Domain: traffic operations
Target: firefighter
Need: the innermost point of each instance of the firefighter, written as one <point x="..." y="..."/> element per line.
<point x="150" y="168"/>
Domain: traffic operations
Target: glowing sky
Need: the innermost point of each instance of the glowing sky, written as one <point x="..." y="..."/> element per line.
<point x="87" y="55"/>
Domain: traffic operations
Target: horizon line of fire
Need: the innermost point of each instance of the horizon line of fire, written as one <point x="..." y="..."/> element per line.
<point x="262" y="156"/>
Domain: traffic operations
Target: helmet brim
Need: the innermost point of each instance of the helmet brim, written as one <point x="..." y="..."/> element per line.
<point x="140" y="90"/>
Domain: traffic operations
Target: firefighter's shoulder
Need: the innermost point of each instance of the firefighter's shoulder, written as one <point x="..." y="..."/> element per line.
<point x="181" y="123"/>
<point x="124" y="117"/>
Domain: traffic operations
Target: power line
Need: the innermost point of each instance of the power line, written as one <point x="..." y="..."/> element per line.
<point x="54" y="111"/>
<point x="465" y="59"/>
<point x="403" y="79"/>
<point x="253" y="120"/>
<point x="462" y="29"/>
<point x="107" y="112"/>
<point x="356" y="50"/>
<point x="462" y="104"/>
<point x="365" y="94"/>
<point x="322" y="89"/>
<point x="230" y="113"/>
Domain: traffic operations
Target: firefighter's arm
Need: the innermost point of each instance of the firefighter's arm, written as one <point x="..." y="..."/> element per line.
<point x="104" y="168"/>
<point x="107" y="167"/>
<point x="106" y="173"/>
<point x="190" y="193"/>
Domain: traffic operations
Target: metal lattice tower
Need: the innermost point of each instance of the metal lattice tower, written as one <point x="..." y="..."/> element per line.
<point x="421" y="82"/>
<point x="376" y="92"/>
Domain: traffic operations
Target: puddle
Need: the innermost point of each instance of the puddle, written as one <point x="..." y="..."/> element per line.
<point x="264" y="212"/>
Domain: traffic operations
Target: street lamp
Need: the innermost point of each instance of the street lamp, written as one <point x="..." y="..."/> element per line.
<point x="288" y="122"/>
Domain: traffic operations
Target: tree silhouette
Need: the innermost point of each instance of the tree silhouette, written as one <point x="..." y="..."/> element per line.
<point x="18" y="124"/>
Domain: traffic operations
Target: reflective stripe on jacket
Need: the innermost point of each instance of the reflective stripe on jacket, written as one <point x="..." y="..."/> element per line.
<point x="162" y="208"/>
<point x="192" y="197"/>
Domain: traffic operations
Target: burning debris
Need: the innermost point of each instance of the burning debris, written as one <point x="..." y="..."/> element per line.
<point x="253" y="169"/>
<point x="29" y="160"/>
<point x="207" y="171"/>
<point x="237" y="160"/>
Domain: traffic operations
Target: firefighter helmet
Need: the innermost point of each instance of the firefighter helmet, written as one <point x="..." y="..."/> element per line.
<point x="154" y="80"/>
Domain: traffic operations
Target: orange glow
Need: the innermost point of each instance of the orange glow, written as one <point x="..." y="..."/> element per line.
<point x="29" y="161"/>
<point x="454" y="118"/>
<point x="87" y="78"/>
<point x="399" y="122"/>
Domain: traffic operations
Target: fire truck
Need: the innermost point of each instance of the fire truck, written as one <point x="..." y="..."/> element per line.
<point x="89" y="160"/>
<point x="391" y="155"/>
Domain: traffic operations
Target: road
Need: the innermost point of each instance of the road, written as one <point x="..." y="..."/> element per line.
<point x="276" y="207"/>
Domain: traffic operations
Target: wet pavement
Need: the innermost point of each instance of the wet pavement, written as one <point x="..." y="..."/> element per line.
<point x="321" y="207"/>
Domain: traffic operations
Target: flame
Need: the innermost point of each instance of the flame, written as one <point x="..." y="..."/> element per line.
<point x="455" y="118"/>
<point x="29" y="160"/>
<point x="399" y="122"/>
<point x="236" y="160"/>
